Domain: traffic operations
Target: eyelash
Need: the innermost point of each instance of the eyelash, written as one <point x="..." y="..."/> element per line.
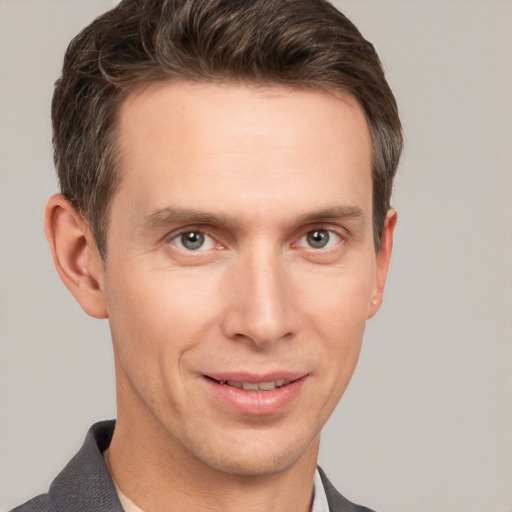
<point x="177" y="240"/>
<point x="330" y="235"/>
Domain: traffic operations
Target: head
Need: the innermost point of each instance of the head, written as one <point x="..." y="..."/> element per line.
<point x="232" y="162"/>
<point x="303" y="44"/>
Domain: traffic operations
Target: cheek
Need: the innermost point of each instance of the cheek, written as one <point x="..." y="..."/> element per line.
<point x="339" y="299"/>
<point x="154" y="325"/>
<point x="158" y="314"/>
<point x="337" y="312"/>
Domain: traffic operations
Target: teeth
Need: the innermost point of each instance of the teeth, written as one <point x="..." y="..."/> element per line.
<point x="249" y="386"/>
<point x="267" y="386"/>
<point x="254" y="386"/>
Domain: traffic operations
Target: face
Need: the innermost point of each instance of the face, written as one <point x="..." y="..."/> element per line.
<point x="240" y="268"/>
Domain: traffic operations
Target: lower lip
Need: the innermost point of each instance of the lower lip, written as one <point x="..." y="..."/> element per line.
<point x="256" y="403"/>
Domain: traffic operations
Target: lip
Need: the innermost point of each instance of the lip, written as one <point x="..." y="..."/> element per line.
<point x="252" y="402"/>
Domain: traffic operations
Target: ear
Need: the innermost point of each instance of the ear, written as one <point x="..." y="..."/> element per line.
<point x="382" y="263"/>
<point x="75" y="255"/>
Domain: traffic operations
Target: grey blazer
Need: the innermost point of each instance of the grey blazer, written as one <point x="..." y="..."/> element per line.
<point x="85" y="485"/>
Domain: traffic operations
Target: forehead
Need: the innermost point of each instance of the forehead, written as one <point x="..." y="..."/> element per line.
<point x="241" y="143"/>
<point x="211" y="108"/>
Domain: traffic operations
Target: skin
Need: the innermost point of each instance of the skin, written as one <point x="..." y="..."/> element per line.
<point x="255" y="172"/>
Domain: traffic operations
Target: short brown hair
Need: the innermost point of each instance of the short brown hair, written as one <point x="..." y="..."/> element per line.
<point x="298" y="43"/>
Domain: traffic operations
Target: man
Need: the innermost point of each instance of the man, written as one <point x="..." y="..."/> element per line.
<point x="226" y="170"/>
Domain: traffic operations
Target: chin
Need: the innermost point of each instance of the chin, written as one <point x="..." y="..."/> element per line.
<point x="255" y="466"/>
<point x="258" y="456"/>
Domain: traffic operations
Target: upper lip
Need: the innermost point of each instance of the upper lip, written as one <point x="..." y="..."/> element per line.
<point x="256" y="378"/>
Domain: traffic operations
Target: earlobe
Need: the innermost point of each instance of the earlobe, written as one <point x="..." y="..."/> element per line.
<point x="75" y="255"/>
<point x="382" y="263"/>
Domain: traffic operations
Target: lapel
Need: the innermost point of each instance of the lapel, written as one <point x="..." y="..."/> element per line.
<point x="337" y="502"/>
<point x="85" y="484"/>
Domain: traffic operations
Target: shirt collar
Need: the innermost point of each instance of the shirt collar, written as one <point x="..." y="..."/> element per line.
<point x="319" y="497"/>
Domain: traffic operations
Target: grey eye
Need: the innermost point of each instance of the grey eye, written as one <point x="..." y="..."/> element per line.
<point x="318" y="239"/>
<point x="192" y="240"/>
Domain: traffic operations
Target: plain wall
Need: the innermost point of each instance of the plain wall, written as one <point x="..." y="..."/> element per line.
<point x="426" y="423"/>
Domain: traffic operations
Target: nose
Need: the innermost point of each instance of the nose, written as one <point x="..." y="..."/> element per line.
<point x="260" y="308"/>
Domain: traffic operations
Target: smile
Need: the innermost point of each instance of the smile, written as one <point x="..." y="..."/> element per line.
<point x="256" y="386"/>
<point x="255" y="396"/>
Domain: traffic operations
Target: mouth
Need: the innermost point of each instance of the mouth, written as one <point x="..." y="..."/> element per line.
<point x="254" y="386"/>
<point x="256" y="395"/>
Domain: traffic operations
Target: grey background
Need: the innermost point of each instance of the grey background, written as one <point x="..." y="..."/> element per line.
<point x="426" y="423"/>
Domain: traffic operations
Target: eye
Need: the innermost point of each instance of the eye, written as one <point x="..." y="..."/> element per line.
<point x="319" y="239"/>
<point x="194" y="241"/>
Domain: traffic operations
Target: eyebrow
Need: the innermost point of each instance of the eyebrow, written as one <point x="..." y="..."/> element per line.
<point x="169" y="216"/>
<point x="335" y="213"/>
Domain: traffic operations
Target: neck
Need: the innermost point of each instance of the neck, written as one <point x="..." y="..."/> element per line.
<point x="157" y="473"/>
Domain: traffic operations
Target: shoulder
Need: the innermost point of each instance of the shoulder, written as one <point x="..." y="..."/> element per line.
<point x="84" y="485"/>
<point x="338" y="502"/>
<point x="41" y="503"/>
